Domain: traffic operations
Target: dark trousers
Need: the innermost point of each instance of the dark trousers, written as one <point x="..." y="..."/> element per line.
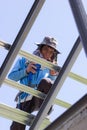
<point x="34" y="104"/>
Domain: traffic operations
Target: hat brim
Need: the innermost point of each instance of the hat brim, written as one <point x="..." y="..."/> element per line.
<point x="41" y="44"/>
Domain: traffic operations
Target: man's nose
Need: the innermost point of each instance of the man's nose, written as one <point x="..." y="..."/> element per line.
<point x="48" y="55"/>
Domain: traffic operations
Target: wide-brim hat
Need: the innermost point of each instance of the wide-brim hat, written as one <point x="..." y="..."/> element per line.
<point x="49" y="41"/>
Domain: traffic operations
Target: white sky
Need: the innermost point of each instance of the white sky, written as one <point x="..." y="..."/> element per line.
<point x="55" y="19"/>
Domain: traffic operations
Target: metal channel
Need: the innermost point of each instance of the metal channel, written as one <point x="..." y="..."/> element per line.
<point x="80" y="17"/>
<point x="57" y="85"/>
<point x="20" y="38"/>
<point x="20" y="116"/>
<point x="16" y="114"/>
<point x="33" y="92"/>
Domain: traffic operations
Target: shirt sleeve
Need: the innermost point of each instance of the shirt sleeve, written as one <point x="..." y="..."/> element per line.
<point x="18" y="71"/>
<point x="52" y="77"/>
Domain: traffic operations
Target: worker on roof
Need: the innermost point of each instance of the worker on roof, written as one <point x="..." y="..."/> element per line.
<point x="35" y="76"/>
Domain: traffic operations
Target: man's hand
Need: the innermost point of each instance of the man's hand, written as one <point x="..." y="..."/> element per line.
<point x="53" y="72"/>
<point x="31" y="67"/>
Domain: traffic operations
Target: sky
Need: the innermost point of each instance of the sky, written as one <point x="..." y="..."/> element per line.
<point x="55" y="19"/>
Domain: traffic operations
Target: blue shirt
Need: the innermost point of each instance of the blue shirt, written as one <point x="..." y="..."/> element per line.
<point x="18" y="73"/>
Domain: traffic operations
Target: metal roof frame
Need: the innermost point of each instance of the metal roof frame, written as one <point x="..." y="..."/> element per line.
<point x="65" y="70"/>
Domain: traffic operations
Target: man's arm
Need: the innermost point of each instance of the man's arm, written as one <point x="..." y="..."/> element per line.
<point x="18" y="71"/>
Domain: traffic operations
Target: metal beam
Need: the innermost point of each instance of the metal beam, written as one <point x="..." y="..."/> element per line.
<point x="5" y="45"/>
<point x="20" y="116"/>
<point x="78" y="78"/>
<point x="32" y="57"/>
<point x="33" y="92"/>
<point x="16" y="114"/>
<point x="57" y="85"/>
<point x="39" y="60"/>
<point x="80" y="17"/>
<point x="20" y="39"/>
<point x="24" y="88"/>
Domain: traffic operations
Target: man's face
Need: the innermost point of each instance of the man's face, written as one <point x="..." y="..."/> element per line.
<point x="47" y="52"/>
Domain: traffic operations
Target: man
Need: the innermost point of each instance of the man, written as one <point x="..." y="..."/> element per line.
<point x="36" y="76"/>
